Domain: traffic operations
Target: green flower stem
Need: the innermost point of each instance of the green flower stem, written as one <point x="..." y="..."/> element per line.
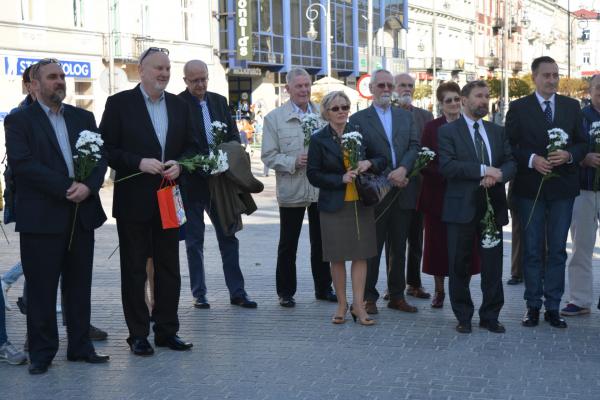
<point x="127" y="177"/>
<point x="73" y="226"/>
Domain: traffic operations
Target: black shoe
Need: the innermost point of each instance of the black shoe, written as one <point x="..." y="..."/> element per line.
<point x="463" y="327"/>
<point x="287" y="302"/>
<point x="492" y="326"/>
<point x="174" y="343"/>
<point x="531" y="318"/>
<point x="97" y="333"/>
<point x="201" y="302"/>
<point x="328" y="295"/>
<point x="38" y="368"/>
<point x="514" y="280"/>
<point x="553" y="317"/>
<point x="140" y="346"/>
<point x="92" y="358"/>
<point x="599" y="303"/>
<point x="22" y="306"/>
<point x="243" y="301"/>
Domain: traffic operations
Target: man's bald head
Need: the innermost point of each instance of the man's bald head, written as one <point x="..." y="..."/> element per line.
<point x="195" y="76"/>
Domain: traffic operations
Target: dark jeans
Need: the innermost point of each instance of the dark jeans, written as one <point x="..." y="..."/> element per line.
<point x="3" y="336"/>
<point x="194" y="245"/>
<point x="45" y="258"/>
<point x="290" y="226"/>
<point x="138" y="241"/>
<point x="544" y="274"/>
<point x="392" y="227"/>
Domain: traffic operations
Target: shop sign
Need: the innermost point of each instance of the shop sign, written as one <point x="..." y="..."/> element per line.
<point x="243" y="30"/>
<point x="245" y="72"/>
<point x="14" y="65"/>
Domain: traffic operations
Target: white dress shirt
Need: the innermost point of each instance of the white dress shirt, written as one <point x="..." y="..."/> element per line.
<point x="484" y="136"/>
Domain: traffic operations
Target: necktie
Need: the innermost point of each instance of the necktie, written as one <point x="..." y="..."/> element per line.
<point x="548" y="112"/>
<point x="482" y="153"/>
<point x="207" y="122"/>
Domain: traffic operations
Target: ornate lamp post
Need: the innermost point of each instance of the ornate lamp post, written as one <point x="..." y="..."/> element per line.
<point x="312" y="13"/>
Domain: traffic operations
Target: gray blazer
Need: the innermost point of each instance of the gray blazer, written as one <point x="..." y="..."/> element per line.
<point x="405" y="140"/>
<point x="461" y="167"/>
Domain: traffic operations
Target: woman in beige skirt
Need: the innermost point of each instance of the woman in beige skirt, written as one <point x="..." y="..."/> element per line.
<point x="347" y="227"/>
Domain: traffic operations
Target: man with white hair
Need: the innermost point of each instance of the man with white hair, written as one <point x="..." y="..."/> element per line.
<point x="394" y="134"/>
<point x="405" y="89"/>
<point x="284" y="150"/>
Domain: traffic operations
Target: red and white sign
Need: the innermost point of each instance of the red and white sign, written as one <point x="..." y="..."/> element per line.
<point x="363" y="87"/>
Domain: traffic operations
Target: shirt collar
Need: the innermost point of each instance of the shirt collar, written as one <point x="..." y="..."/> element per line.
<point x="47" y="109"/>
<point x="298" y="110"/>
<point x="147" y="97"/>
<point x="541" y="100"/>
<point x="470" y="122"/>
<point x="381" y="109"/>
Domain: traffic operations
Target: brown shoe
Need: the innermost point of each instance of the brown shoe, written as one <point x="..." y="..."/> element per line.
<point x="438" y="300"/>
<point x="402" y="305"/>
<point x="371" y="307"/>
<point x="417" y="292"/>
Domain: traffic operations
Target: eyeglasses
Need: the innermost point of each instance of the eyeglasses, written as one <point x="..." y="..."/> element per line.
<point x="337" y="108"/>
<point x="44" y="61"/>
<point x="449" y="100"/>
<point x="151" y="50"/>
<point x="383" y="85"/>
<point x="406" y="85"/>
<point x="196" y="81"/>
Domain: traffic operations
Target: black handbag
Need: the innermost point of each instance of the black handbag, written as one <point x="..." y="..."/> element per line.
<point x="372" y="188"/>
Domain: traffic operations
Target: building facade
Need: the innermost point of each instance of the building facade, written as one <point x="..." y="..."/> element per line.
<point x="261" y="40"/>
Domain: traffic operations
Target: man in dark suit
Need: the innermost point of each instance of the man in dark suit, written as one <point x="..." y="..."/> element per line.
<point x="207" y="107"/>
<point x="392" y="132"/>
<point x="475" y="158"/>
<point x="405" y="88"/>
<point x="145" y="130"/>
<point x="40" y="141"/>
<point x="527" y="124"/>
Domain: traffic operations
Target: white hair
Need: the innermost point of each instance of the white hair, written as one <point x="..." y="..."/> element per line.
<point x="295" y="72"/>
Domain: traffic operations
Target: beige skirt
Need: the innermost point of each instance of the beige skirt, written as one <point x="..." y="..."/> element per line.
<point x="349" y="234"/>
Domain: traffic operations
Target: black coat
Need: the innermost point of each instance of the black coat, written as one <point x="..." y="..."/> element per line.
<point x="129" y="136"/>
<point x="195" y="185"/>
<point x="527" y="130"/>
<point x="325" y="168"/>
<point x="41" y="174"/>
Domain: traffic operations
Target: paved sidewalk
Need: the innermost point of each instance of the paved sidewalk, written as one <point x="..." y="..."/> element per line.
<point x="277" y="353"/>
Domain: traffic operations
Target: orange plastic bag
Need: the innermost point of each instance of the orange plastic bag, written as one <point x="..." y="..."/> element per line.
<point x="170" y="204"/>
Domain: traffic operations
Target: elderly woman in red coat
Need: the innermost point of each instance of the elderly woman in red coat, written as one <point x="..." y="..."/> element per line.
<point x="431" y="199"/>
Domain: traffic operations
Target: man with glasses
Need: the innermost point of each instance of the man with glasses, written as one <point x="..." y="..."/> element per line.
<point x="207" y="107"/>
<point x="405" y="89"/>
<point x="146" y="130"/>
<point x="284" y="150"/>
<point x="394" y="133"/>
<point x="40" y="144"/>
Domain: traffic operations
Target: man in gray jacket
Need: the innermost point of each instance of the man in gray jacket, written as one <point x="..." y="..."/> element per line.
<point x="395" y="135"/>
<point x="284" y="150"/>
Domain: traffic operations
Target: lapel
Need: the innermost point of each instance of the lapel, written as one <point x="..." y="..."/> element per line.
<point x="490" y="130"/>
<point x="46" y="126"/>
<point x="330" y="144"/>
<point x="465" y="135"/>
<point x="171" y="115"/>
<point x="538" y="112"/>
<point x="72" y="129"/>
<point x="139" y="108"/>
<point x="559" y="111"/>
<point x="396" y="121"/>
<point x="376" y="124"/>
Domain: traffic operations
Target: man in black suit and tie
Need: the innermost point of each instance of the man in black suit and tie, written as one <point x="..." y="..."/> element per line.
<point x="145" y="130"/>
<point x="40" y="141"/>
<point x="207" y="107"/>
<point x="392" y="132"/>
<point x="527" y="124"/>
<point x="475" y="158"/>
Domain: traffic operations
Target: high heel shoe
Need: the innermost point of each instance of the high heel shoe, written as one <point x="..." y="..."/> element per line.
<point x="438" y="300"/>
<point x="340" y="319"/>
<point x="366" y="321"/>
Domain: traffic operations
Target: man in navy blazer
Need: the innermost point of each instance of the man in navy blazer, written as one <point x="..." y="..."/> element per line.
<point x="475" y="158"/>
<point x="527" y="123"/>
<point x="392" y="132"/>
<point x="147" y="129"/>
<point x="40" y="142"/>
<point x="207" y="107"/>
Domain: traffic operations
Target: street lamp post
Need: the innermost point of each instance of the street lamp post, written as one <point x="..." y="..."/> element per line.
<point x="312" y="13"/>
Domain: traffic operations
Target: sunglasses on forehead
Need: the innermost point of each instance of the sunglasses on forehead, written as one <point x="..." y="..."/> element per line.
<point x="151" y="50"/>
<point x="44" y="61"/>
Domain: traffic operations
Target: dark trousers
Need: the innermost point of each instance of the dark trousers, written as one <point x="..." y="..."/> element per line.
<point x="290" y="225"/>
<point x="392" y="228"/>
<point x="460" y="248"/>
<point x="45" y="258"/>
<point x="516" y="256"/>
<point x="415" y="249"/>
<point x="137" y="241"/>
<point x="194" y="242"/>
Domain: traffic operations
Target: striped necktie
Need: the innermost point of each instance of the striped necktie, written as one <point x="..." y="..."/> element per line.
<point x="548" y="112"/>
<point x="207" y="123"/>
<point x="480" y="146"/>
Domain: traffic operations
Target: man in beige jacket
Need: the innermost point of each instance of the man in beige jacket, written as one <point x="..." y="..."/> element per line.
<point x="283" y="150"/>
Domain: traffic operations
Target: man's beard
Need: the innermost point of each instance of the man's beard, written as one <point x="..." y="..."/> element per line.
<point x="405" y="100"/>
<point x="56" y="96"/>
<point x="479" y="112"/>
<point x="384" y="100"/>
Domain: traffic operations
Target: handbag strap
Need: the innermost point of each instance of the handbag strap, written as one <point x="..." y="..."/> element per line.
<point x="166" y="182"/>
<point x="381" y="214"/>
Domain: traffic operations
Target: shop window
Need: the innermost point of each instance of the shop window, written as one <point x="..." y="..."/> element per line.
<point x="84" y="95"/>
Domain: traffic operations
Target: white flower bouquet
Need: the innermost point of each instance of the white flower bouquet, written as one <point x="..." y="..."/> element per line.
<point x="310" y="123"/>
<point x="424" y="157"/>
